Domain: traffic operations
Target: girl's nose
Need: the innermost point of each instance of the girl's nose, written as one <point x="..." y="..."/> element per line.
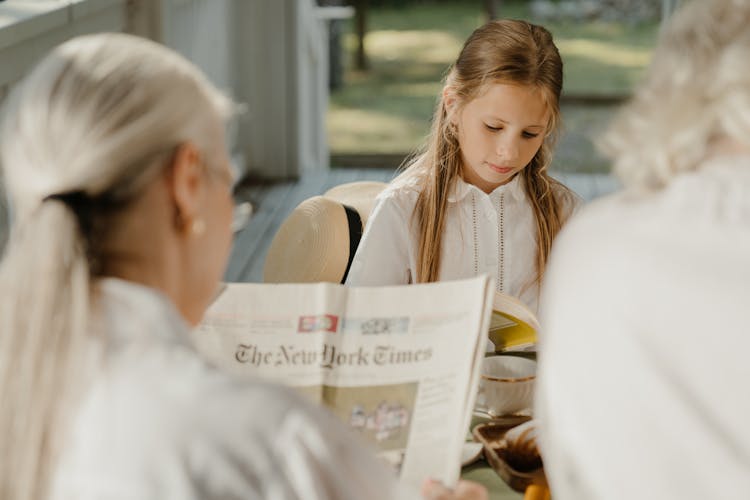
<point x="507" y="148"/>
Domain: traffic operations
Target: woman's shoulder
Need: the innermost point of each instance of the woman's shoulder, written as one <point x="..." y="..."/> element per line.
<point x="231" y="396"/>
<point x="182" y="411"/>
<point x="606" y="225"/>
<point x="169" y="378"/>
<point x="189" y="400"/>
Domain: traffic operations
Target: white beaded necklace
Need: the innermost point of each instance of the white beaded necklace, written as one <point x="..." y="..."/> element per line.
<point x="500" y="284"/>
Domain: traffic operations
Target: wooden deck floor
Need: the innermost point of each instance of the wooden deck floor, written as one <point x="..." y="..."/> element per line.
<point x="272" y="203"/>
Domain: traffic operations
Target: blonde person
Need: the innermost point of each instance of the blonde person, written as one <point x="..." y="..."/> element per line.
<point x="114" y="157"/>
<point x="643" y="360"/>
<point x="479" y="198"/>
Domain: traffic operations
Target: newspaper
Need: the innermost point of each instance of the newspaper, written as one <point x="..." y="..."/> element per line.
<point x="398" y="364"/>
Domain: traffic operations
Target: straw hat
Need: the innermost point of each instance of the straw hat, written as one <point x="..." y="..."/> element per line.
<point x="318" y="240"/>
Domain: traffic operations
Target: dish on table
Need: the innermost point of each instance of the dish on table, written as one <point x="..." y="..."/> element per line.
<point x="471" y="452"/>
<point x="516" y="465"/>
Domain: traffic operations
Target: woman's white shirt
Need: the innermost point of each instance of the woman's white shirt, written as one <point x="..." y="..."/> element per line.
<point x="484" y="233"/>
<point x="156" y="422"/>
<point x="642" y="388"/>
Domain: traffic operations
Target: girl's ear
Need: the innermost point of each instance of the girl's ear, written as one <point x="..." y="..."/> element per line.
<point x="450" y="101"/>
<point x="185" y="182"/>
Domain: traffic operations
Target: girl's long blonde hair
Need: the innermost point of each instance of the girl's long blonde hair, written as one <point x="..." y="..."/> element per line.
<point x="83" y="135"/>
<point x="502" y="51"/>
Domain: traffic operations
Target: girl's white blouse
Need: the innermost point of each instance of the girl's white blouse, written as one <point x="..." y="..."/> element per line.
<point x="156" y="422"/>
<point x="491" y="233"/>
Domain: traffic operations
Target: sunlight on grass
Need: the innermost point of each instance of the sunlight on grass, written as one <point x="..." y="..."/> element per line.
<point x="606" y="53"/>
<point x="430" y="90"/>
<point x="349" y="129"/>
<point x="422" y="46"/>
<point x="459" y="17"/>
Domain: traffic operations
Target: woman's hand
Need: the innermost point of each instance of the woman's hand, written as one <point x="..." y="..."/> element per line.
<point x="465" y="490"/>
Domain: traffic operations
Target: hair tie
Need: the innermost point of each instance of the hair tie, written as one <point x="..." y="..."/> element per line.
<point x="72" y="199"/>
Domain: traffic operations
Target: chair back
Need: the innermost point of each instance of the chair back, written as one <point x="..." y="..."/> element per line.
<point x="318" y="240"/>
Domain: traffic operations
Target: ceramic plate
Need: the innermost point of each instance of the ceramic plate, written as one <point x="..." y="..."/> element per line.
<point x="471" y="452"/>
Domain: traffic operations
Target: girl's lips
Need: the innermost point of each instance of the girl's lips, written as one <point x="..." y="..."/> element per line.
<point x="499" y="169"/>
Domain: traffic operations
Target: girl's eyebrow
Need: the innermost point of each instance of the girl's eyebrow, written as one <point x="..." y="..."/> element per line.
<point x="504" y="122"/>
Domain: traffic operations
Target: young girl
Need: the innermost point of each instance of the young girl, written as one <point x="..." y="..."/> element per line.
<point x="478" y="199"/>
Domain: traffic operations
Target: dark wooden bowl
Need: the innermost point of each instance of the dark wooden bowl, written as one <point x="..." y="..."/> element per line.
<point x="491" y="435"/>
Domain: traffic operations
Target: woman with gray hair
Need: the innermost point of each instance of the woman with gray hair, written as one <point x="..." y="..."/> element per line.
<point x="643" y="365"/>
<point x="114" y="157"/>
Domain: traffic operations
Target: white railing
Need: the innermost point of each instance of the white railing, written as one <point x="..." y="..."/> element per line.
<point x="30" y="29"/>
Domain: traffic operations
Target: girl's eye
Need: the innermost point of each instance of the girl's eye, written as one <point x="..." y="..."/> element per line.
<point x="492" y="129"/>
<point x="529" y="135"/>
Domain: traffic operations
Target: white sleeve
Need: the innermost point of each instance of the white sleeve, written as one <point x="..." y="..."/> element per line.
<point x="383" y="257"/>
<point x="265" y="441"/>
<point x="322" y="460"/>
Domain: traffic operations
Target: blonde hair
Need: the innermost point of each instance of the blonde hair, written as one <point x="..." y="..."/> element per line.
<point x="697" y="90"/>
<point x="88" y="129"/>
<point x="503" y="51"/>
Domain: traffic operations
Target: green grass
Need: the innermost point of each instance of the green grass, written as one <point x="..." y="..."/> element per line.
<point x="603" y="58"/>
<point x="388" y="108"/>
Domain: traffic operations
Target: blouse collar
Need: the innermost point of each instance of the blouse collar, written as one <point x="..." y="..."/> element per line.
<point x="138" y="311"/>
<point x="514" y="188"/>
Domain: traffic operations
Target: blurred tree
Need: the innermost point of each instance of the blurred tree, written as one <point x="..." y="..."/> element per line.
<point x="335" y="56"/>
<point x="360" y="18"/>
<point x="493" y="8"/>
<point x="667" y="8"/>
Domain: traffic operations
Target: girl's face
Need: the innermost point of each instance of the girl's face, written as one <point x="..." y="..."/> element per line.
<point x="499" y="133"/>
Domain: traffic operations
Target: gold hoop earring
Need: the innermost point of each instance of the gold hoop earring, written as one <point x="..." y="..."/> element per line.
<point x="198" y="227"/>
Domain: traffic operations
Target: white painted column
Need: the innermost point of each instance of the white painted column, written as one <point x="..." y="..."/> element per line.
<point x="282" y="61"/>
